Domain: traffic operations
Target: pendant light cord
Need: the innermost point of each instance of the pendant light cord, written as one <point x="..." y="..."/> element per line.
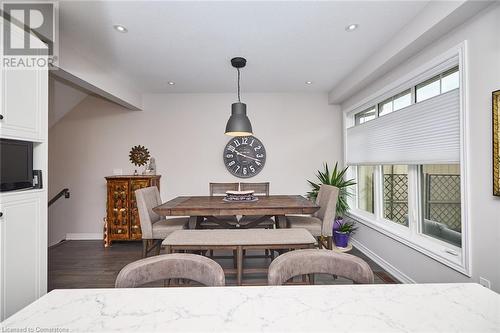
<point x="239" y="99"/>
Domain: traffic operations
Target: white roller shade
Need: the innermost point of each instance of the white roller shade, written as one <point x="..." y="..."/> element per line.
<point x="425" y="132"/>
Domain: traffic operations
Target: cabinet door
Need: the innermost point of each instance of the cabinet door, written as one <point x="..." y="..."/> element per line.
<point x="23" y="100"/>
<point x="118" y="222"/>
<point x="135" y="223"/>
<point x="23" y="267"/>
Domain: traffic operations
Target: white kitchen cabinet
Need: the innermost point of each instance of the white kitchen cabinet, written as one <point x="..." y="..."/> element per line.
<point x="23" y="250"/>
<point x="23" y="98"/>
<point x="23" y="224"/>
<point x="21" y="103"/>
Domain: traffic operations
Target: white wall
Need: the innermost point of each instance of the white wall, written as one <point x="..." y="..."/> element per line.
<point x="481" y="32"/>
<point x="74" y="66"/>
<point x="62" y="99"/>
<point x="185" y="133"/>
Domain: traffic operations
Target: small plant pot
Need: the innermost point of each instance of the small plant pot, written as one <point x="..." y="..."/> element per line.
<point x="337" y="223"/>
<point x="341" y="239"/>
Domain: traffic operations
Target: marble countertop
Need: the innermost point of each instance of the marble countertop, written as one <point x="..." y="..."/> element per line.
<point x="340" y="308"/>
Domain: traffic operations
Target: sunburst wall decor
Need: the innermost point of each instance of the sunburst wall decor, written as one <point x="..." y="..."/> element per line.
<point x="139" y="155"/>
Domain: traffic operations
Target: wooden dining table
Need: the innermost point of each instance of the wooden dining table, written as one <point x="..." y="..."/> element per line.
<point x="200" y="207"/>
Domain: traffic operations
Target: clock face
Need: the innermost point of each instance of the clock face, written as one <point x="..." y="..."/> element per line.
<point x="244" y="156"/>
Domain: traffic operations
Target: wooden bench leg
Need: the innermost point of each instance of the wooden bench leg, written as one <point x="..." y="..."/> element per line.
<point x="239" y="268"/>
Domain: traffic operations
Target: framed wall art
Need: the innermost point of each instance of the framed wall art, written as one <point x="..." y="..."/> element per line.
<point x="496" y="142"/>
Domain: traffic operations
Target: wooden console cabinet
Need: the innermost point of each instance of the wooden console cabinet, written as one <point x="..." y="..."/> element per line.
<point x="122" y="218"/>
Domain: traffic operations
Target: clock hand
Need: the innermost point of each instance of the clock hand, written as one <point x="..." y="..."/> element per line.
<point x="252" y="158"/>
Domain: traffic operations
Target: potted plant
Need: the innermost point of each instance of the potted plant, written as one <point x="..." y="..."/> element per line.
<point x="342" y="232"/>
<point x="334" y="178"/>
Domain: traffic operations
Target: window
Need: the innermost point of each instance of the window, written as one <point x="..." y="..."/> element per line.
<point x="395" y="103"/>
<point x="395" y="179"/>
<point x="450" y="80"/>
<point x="408" y="167"/>
<point x="365" y="116"/>
<point x="428" y="89"/>
<point x="441" y="215"/>
<point x="437" y="85"/>
<point x="402" y="100"/>
<point x="365" y="188"/>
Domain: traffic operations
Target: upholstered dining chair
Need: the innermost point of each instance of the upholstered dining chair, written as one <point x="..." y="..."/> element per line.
<point x="154" y="227"/>
<point x="311" y="261"/>
<point x="184" y="266"/>
<point x="221" y="188"/>
<point x="260" y="189"/>
<point x="320" y="224"/>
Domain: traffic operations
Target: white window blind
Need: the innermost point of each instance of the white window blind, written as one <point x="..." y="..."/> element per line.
<point x="425" y="132"/>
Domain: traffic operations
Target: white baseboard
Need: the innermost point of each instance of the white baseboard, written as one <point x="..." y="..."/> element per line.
<point x="84" y="236"/>
<point x="402" y="277"/>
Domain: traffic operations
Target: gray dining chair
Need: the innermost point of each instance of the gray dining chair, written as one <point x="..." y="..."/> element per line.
<point x="184" y="266"/>
<point x="320" y="224"/>
<point x="315" y="261"/>
<point x="154" y="228"/>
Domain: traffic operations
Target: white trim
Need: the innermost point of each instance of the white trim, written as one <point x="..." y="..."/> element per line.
<point x="402" y="277"/>
<point x="84" y="236"/>
<point x="428" y="246"/>
<point x="466" y="177"/>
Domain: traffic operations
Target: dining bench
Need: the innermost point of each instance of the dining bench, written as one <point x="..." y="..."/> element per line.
<point x="239" y="240"/>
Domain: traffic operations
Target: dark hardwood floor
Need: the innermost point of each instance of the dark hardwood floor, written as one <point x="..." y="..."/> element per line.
<point x="87" y="264"/>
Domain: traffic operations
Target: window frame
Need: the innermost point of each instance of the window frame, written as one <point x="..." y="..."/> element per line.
<point x="412" y="236"/>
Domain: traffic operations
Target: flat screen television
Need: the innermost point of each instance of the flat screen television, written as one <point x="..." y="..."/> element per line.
<point x="16" y="165"/>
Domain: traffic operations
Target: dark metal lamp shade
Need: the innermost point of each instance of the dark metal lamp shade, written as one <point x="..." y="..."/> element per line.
<point x="238" y="124"/>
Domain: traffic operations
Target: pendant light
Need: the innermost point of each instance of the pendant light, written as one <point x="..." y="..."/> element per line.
<point x="238" y="124"/>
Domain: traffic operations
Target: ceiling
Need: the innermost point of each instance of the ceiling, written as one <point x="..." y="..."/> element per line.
<point x="191" y="43"/>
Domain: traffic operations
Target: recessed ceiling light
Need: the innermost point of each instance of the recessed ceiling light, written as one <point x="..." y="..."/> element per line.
<point x="171" y="83"/>
<point x="120" y="28"/>
<point x="309" y="82"/>
<point x="351" y="27"/>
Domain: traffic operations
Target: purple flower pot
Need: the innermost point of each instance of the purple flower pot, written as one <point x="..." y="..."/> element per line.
<point x="337" y="223"/>
<point x="341" y="239"/>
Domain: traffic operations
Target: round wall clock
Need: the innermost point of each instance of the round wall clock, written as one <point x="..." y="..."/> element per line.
<point x="244" y="156"/>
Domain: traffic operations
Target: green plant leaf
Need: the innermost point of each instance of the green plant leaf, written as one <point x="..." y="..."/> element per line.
<point x="334" y="178"/>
